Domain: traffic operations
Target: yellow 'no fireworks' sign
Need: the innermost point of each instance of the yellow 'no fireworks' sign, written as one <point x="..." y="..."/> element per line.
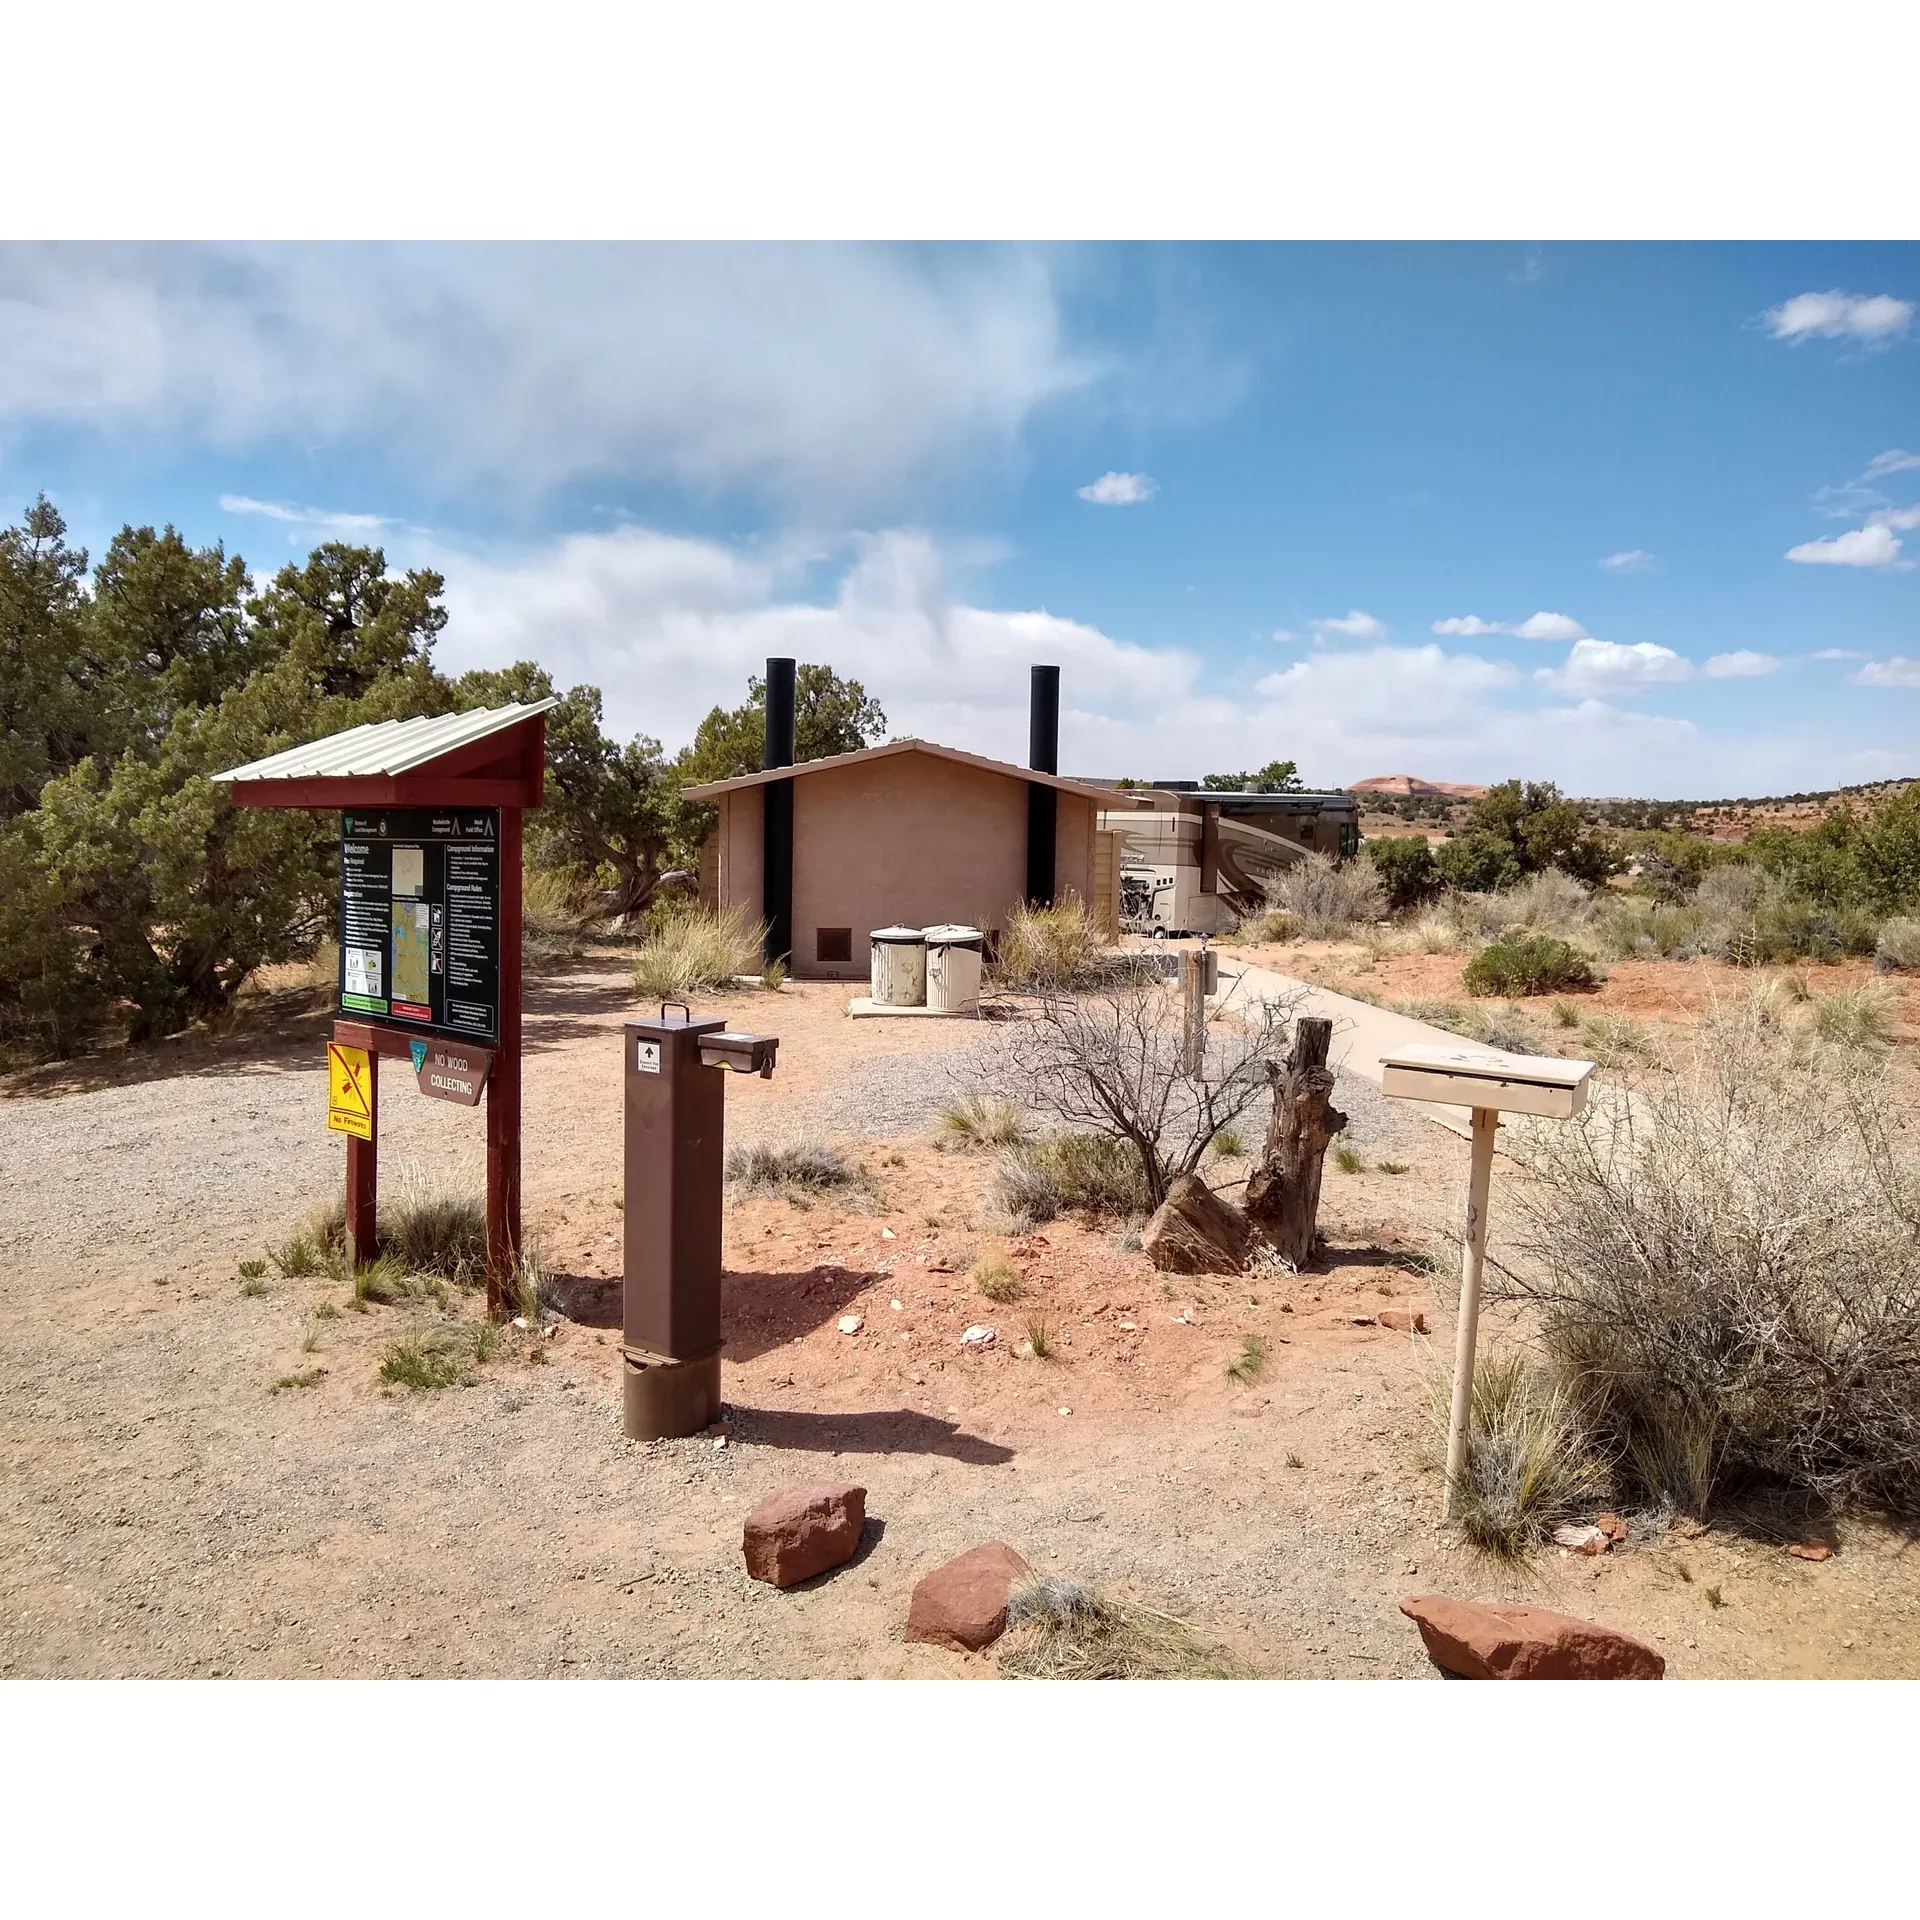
<point x="349" y="1091"/>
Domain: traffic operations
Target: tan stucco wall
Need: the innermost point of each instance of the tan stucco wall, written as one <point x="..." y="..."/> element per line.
<point x="741" y="850"/>
<point x="911" y="839"/>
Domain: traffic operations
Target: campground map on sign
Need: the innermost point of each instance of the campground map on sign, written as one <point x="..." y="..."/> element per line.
<point x="412" y="979"/>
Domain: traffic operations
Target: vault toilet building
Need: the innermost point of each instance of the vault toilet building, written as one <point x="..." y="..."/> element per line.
<point x="907" y="834"/>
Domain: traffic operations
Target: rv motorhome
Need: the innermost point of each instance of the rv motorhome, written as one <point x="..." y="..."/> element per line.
<point x="1193" y="860"/>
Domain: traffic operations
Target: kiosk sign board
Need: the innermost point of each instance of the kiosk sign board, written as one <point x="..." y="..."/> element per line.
<point x="420" y="919"/>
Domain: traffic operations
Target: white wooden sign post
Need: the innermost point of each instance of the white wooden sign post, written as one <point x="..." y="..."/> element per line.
<point x="1490" y="1082"/>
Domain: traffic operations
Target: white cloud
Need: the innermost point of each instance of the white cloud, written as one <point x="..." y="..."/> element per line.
<point x="1870" y="318"/>
<point x="1549" y="626"/>
<point x="1894" y="460"/>
<point x="1741" y="664"/>
<point x="1838" y="653"/>
<point x="1901" y="519"/>
<point x="1119" y="490"/>
<point x="1353" y="625"/>
<point x="1283" y="635"/>
<point x="1616" y="667"/>
<point x="1870" y="546"/>
<point x="813" y="375"/>
<point x="669" y="626"/>
<point x="304" y="516"/>
<point x="1536" y="626"/>
<point x="1632" y="560"/>
<point x="1897" y="672"/>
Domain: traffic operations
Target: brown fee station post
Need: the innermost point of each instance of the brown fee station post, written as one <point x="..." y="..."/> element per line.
<point x="674" y="1085"/>
<point x="430" y="850"/>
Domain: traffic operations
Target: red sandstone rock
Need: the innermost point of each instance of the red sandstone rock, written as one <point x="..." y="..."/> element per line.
<point x="1611" y="1525"/>
<point x="964" y="1603"/>
<point x="1525" y="1643"/>
<point x="1402" y="1321"/>
<point x="802" y="1529"/>
<point x="1810" y="1550"/>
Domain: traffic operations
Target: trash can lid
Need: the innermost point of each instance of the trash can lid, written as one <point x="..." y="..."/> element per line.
<point x="953" y="936"/>
<point x="897" y="937"/>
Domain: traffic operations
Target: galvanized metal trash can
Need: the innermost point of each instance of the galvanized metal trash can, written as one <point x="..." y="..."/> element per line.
<point x="953" y="969"/>
<point x="899" y="967"/>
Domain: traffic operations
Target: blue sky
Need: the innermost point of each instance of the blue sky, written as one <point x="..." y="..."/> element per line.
<point x="1636" y="518"/>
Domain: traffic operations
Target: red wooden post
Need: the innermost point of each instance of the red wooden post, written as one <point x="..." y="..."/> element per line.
<point x="503" y="1085"/>
<point x="363" y="1176"/>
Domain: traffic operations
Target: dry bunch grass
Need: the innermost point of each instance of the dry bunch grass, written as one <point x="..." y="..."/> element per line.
<point x="1530" y="1465"/>
<point x="1054" y="949"/>
<point x="1060" y="1629"/>
<point x="696" y="949"/>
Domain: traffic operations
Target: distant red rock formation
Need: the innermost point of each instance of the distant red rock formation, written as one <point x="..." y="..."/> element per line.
<point x="1405" y="785"/>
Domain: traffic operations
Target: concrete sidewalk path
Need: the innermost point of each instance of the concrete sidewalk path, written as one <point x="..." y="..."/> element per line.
<point x="1361" y="1033"/>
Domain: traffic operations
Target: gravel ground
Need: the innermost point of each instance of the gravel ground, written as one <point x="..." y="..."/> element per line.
<point x="172" y="1503"/>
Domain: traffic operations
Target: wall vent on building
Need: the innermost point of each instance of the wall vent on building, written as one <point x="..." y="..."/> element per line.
<point x="832" y="944"/>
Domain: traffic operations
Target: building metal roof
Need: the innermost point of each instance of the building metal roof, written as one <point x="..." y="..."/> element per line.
<point x="714" y="788"/>
<point x="386" y="747"/>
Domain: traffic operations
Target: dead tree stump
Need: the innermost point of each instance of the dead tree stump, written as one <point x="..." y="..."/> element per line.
<point x="1283" y="1192"/>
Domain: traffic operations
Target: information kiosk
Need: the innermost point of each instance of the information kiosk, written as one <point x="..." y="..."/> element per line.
<point x="429" y="929"/>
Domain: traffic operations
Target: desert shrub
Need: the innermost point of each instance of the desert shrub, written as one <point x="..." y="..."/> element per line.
<point x="1549" y="902"/>
<point x="1090" y="1172"/>
<point x="1859" y="1017"/>
<point x="1530" y="1466"/>
<point x="1043" y="1335"/>
<point x="1727" y="891"/>
<point x="1518" y="964"/>
<point x="1476" y="916"/>
<point x="1226" y="1145"/>
<point x="1060" y="1629"/>
<point x="977" y="1120"/>
<point x="1406" y="868"/>
<point x="1897" y="947"/>
<point x="556" y="906"/>
<point x="696" y="949"/>
<point x="1024" y="1190"/>
<point x="1056" y="948"/>
<point x="1727" y="1271"/>
<point x="1477" y="863"/>
<point x="791" y="1172"/>
<point x="997" y="1278"/>
<point x="1628" y="928"/>
<point x="1328" y="898"/>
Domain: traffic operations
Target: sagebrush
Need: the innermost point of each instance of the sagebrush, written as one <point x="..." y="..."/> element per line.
<point x="1726" y="1270"/>
<point x="1326" y="899"/>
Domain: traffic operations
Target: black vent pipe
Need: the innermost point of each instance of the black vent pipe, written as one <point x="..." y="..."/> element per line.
<point x="776" y="847"/>
<point x="1043" y="756"/>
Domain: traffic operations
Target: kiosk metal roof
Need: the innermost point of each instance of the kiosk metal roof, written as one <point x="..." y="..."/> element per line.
<point x="386" y="747"/>
<point x="491" y="757"/>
